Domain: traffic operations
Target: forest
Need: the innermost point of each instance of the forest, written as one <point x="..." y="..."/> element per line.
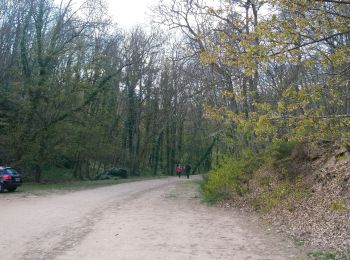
<point x="212" y="84"/>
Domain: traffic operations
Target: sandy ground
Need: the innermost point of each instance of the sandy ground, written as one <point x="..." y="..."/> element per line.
<point x="158" y="219"/>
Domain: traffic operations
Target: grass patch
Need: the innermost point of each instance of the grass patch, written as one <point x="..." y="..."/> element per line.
<point x="210" y="199"/>
<point x="265" y="181"/>
<point x="339" y="206"/>
<point x="300" y="243"/>
<point x="321" y="255"/>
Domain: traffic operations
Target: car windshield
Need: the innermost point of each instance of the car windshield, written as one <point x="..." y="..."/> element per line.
<point x="10" y="171"/>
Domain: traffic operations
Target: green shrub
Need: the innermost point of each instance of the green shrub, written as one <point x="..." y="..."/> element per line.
<point x="282" y="150"/>
<point x="231" y="176"/>
<point x="228" y="178"/>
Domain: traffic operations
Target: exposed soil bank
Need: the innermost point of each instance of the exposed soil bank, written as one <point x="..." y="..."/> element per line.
<point x="306" y="198"/>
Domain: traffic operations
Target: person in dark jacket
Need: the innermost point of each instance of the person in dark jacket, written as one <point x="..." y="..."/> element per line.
<point x="188" y="170"/>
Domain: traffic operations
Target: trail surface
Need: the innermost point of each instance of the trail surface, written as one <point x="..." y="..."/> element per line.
<point x="157" y="219"/>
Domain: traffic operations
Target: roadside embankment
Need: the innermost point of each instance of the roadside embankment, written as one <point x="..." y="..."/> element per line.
<point x="307" y="197"/>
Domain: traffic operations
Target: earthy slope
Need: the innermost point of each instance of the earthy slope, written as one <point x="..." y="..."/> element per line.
<point x="306" y="196"/>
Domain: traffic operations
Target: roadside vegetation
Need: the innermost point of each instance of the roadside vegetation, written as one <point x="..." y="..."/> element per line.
<point x="300" y="190"/>
<point x="231" y="176"/>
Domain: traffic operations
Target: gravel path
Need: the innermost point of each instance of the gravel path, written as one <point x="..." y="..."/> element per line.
<point x="158" y="219"/>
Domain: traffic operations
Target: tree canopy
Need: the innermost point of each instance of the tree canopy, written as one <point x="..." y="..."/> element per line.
<point x="78" y="92"/>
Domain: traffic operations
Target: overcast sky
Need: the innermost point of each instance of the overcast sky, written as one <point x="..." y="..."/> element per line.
<point x="128" y="13"/>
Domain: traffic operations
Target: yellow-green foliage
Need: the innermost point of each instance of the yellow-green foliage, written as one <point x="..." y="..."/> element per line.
<point x="230" y="176"/>
<point x="304" y="119"/>
<point x="305" y="111"/>
<point x="299" y="116"/>
<point x="220" y="182"/>
<point x="301" y="112"/>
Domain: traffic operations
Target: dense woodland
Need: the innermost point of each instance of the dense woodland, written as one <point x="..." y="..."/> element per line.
<point x="213" y="82"/>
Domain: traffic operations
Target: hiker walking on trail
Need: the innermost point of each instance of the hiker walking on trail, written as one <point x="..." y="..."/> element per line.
<point x="188" y="170"/>
<point x="178" y="170"/>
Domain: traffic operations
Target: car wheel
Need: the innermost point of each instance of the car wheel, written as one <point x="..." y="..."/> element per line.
<point x="1" y="188"/>
<point x="11" y="189"/>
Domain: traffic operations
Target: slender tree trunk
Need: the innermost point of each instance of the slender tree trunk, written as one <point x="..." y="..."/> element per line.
<point x="157" y="153"/>
<point x="204" y="157"/>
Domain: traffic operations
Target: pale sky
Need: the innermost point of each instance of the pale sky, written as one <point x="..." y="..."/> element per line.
<point x="128" y="13"/>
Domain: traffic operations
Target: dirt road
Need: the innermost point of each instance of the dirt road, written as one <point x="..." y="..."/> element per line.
<point x="158" y="219"/>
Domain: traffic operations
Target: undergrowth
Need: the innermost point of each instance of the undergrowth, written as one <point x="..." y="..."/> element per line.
<point x="285" y="194"/>
<point x="230" y="176"/>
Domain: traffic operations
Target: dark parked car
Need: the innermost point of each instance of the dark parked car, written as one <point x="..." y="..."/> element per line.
<point x="113" y="173"/>
<point x="9" y="179"/>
